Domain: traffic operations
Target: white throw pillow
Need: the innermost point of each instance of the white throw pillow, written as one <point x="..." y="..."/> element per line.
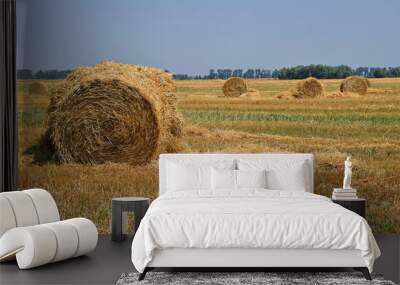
<point x="223" y="179"/>
<point x="290" y="175"/>
<point x="251" y="178"/>
<point x="188" y="177"/>
<point x="293" y="180"/>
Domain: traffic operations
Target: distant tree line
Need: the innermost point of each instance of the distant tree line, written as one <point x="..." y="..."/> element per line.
<point x="226" y="73"/>
<point x="42" y="74"/>
<point x="297" y="72"/>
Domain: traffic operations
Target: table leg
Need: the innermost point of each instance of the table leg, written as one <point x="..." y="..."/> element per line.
<point x="116" y="223"/>
<point x="124" y="222"/>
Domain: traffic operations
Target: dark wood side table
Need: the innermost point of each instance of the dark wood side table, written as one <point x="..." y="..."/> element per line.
<point x="357" y="205"/>
<point x="120" y="207"/>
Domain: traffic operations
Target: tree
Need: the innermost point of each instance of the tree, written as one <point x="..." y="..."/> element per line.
<point x="362" y="71"/>
<point x="180" y="76"/>
<point x="249" y="73"/>
<point x="237" y="72"/>
<point x="224" y="73"/>
<point x="265" y="73"/>
<point x="379" y="72"/>
<point x="24" y="74"/>
<point x="394" y="72"/>
<point x="212" y="74"/>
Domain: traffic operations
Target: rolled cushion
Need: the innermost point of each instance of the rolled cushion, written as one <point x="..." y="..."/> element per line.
<point x="33" y="246"/>
<point x="23" y="208"/>
<point x="7" y="218"/>
<point x="26" y="208"/>
<point x="45" y="205"/>
<point x="37" y="245"/>
<point x="87" y="234"/>
<point x="66" y="238"/>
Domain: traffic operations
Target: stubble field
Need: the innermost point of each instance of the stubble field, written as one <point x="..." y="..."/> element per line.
<point x="365" y="127"/>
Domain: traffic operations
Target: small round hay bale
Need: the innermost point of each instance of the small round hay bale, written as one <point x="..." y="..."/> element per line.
<point x="114" y="112"/>
<point x="308" y="88"/>
<point x="37" y="88"/>
<point x="234" y="87"/>
<point x="354" y="84"/>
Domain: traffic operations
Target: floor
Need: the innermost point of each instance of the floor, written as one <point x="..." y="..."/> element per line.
<point x="103" y="266"/>
<point x="110" y="260"/>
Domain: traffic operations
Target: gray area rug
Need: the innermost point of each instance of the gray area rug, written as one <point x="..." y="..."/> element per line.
<point x="228" y="278"/>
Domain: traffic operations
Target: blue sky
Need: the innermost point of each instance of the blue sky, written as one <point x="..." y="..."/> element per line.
<point x="192" y="36"/>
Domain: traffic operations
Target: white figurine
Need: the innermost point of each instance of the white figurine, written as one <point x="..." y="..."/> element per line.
<point x="347" y="174"/>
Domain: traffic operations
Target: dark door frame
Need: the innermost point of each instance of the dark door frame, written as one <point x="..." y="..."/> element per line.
<point x="8" y="100"/>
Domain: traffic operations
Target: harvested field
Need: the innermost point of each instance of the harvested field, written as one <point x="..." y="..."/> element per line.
<point x="367" y="127"/>
<point x="37" y="88"/>
<point x="251" y="94"/>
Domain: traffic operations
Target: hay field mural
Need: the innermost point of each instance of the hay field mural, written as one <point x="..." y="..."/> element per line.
<point x="331" y="125"/>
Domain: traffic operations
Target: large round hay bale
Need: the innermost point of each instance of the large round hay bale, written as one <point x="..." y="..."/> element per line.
<point x="114" y="112"/>
<point x="37" y="88"/>
<point x="234" y="87"/>
<point x="308" y="88"/>
<point x="355" y="84"/>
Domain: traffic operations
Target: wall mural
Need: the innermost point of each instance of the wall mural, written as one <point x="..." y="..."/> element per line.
<point x="96" y="131"/>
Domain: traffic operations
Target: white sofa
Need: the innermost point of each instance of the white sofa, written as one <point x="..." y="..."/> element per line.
<point x="31" y="230"/>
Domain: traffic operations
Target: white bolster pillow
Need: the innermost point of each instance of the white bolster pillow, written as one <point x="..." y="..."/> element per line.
<point x="37" y="245"/>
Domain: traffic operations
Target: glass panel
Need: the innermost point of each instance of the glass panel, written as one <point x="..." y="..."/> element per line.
<point x="106" y="125"/>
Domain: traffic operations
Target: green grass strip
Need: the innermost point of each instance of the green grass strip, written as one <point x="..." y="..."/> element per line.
<point x="218" y="116"/>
